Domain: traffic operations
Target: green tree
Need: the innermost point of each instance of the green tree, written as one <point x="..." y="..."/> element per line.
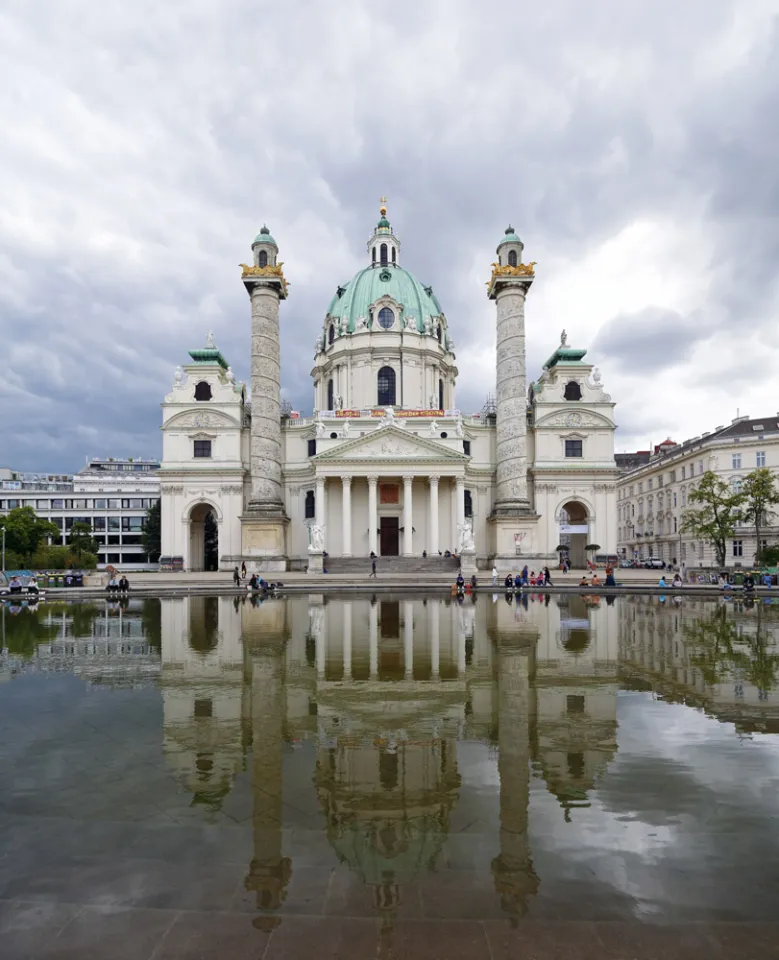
<point x="718" y="515"/>
<point x="770" y="556"/>
<point x="152" y="532"/>
<point x="760" y="494"/>
<point x="25" y="530"/>
<point x="81" y="540"/>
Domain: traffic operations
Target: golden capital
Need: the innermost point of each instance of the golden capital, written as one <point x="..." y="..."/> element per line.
<point x="268" y="272"/>
<point x="520" y="270"/>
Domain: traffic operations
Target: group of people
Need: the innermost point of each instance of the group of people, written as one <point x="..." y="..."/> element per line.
<point x="15" y="585"/>
<point x="118" y="584"/>
<point x="256" y="584"/>
<point x="525" y="579"/>
<point x="676" y="582"/>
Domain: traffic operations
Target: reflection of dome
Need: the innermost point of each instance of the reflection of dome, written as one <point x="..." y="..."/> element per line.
<point x="360" y="293"/>
<point x="387" y="810"/>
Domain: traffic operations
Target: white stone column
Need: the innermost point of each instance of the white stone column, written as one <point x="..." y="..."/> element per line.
<point x="347" y="641"/>
<point x="346" y="485"/>
<point x="321" y="503"/>
<point x="435" y="639"/>
<point x="459" y="488"/>
<point x="408" y="639"/>
<point x="373" y="514"/>
<point x="452" y="545"/>
<point x="408" y="540"/>
<point x="267" y="495"/>
<point x="373" y="613"/>
<point x="433" y="547"/>
<point x="511" y="423"/>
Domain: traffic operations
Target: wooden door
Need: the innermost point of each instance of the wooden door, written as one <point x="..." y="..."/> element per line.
<point x="389" y="536"/>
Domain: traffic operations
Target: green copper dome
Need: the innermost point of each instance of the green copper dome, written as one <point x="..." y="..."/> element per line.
<point x="353" y="300"/>
<point x="264" y="237"/>
<point x="509" y="237"/>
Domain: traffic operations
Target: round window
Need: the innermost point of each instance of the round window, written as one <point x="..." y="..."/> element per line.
<point x="444" y="435"/>
<point x="386" y="318"/>
<point x="333" y="436"/>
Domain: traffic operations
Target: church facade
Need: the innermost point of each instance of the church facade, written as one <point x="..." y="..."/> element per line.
<point x="388" y="464"/>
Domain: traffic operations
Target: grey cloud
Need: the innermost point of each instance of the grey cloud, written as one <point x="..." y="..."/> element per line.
<point x="648" y="340"/>
<point x="147" y="148"/>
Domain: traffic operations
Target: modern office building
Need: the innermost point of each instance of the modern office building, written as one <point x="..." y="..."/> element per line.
<point x="111" y="494"/>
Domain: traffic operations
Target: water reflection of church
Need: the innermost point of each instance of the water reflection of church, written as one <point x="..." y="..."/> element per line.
<point x="385" y="691"/>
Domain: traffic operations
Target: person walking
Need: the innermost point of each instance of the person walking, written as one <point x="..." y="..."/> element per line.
<point x="494" y="576"/>
<point x="373" y="569"/>
<point x="547" y="577"/>
<point x="236" y="577"/>
<point x="243" y="570"/>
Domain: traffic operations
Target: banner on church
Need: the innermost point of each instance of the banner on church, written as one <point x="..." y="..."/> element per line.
<point x="410" y="413"/>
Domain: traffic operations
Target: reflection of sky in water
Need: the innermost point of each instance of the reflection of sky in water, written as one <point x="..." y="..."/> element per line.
<point x="548" y="749"/>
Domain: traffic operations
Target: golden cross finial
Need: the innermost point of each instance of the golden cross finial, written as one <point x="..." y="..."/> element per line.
<point x="383" y="207"/>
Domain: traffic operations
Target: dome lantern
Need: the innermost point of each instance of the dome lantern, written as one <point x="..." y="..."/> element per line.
<point x="510" y="249"/>
<point x="384" y="246"/>
<point x="264" y="249"/>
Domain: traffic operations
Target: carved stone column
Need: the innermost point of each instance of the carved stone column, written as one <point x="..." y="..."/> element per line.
<point x="263" y="526"/>
<point x="321" y="504"/>
<point x="373" y="514"/>
<point x="408" y="539"/>
<point x="346" y="519"/>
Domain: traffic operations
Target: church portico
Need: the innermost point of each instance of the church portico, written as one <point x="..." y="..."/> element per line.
<point x="393" y="513"/>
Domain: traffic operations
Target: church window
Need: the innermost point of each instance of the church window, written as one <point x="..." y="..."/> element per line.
<point x="386" y="318"/>
<point x="572" y="391"/>
<point x="312" y="448"/>
<point x="468" y="504"/>
<point x="330" y="395"/>
<point x="440" y="332"/>
<point x="310" y="505"/>
<point x="373" y="255"/>
<point x="263" y="258"/>
<point x="394" y="260"/>
<point x="573" y="448"/>
<point x="334" y="435"/>
<point x="386" y="387"/>
<point x="202" y="449"/>
<point x="383" y="254"/>
<point x="467" y="448"/>
<point x="331" y="334"/>
<point x="512" y="258"/>
<point x="202" y="391"/>
<point x="440" y="394"/>
<point x="444" y="434"/>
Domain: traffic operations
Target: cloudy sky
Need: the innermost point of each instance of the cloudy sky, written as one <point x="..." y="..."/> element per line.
<point x="633" y="147"/>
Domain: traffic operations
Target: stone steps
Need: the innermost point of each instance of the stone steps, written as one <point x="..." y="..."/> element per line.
<point x="394" y="566"/>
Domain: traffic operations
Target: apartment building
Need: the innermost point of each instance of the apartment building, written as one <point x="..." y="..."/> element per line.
<point x="653" y="492"/>
<point x="111" y="494"/>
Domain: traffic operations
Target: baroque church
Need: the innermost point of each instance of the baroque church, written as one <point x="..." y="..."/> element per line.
<point x="387" y="464"/>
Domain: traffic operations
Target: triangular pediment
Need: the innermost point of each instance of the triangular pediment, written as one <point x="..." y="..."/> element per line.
<point x="572" y="419"/>
<point x="390" y="443"/>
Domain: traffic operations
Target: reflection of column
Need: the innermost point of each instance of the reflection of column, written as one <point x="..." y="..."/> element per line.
<point x="461" y="645"/>
<point x="373" y="515"/>
<point x="408" y="638"/>
<point x="346" y="483"/>
<point x="321" y="503"/>
<point x="435" y="639"/>
<point x="374" y="639"/>
<point x="321" y="643"/>
<point x="433" y="549"/>
<point x="513" y="868"/>
<point x="408" y="542"/>
<point x="347" y="641"/>
<point x="270" y="871"/>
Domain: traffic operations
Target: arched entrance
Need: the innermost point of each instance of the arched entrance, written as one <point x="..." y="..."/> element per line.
<point x="574" y="530"/>
<point x="203" y="538"/>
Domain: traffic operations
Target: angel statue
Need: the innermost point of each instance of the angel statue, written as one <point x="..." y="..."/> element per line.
<point x="433" y="428"/>
<point x="563" y="339"/>
<point x="317" y="535"/>
<point x="465" y="537"/>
